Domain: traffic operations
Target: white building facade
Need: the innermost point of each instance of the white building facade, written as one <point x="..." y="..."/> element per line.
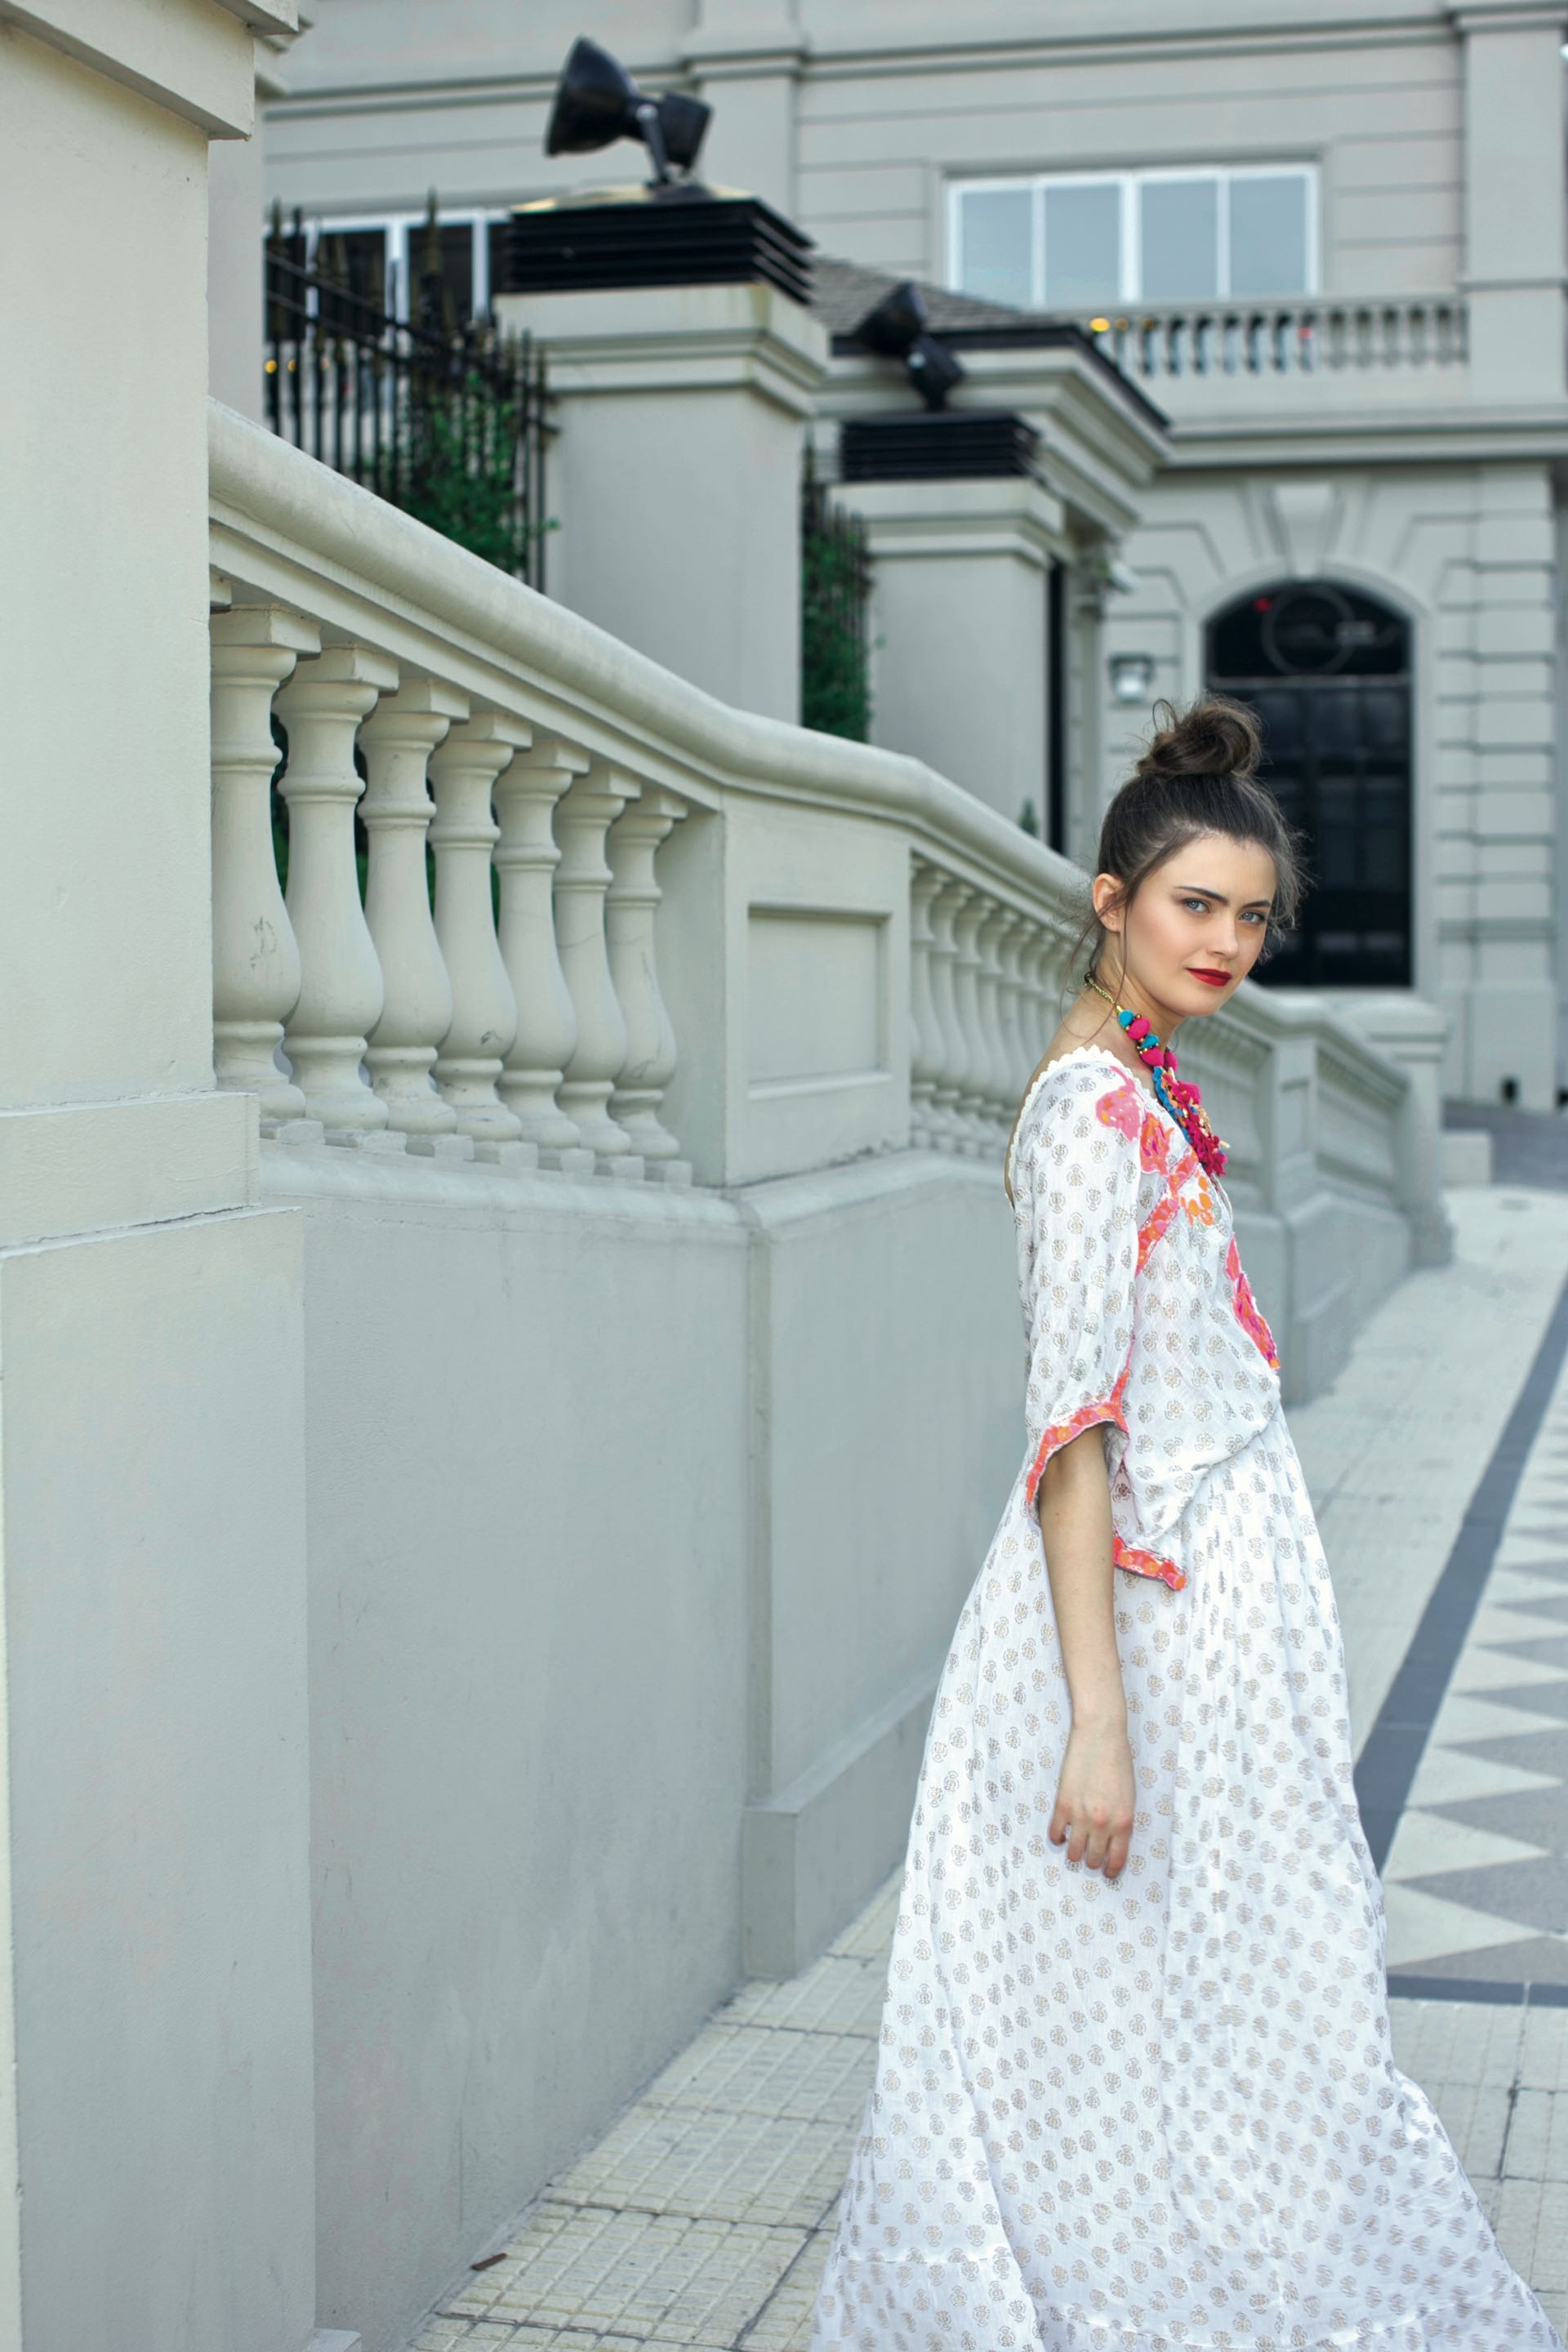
<point x="1330" y="251"/>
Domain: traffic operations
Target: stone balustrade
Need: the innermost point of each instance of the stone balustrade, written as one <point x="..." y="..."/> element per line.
<point x="1306" y="335"/>
<point x="610" y="928"/>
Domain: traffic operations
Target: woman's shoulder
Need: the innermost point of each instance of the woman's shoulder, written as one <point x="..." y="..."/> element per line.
<point x="1084" y="1093"/>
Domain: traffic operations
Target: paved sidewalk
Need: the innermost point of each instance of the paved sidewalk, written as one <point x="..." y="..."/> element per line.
<point x="1439" y="1470"/>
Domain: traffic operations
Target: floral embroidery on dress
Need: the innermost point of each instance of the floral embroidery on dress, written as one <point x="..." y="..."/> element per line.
<point x="1199" y="1205"/>
<point x="1123" y="1108"/>
<point x="1153" y="1227"/>
<point x="1107" y="1408"/>
<point x="1120" y="1108"/>
<point x="1246" y="1312"/>
<point x="1146" y="1563"/>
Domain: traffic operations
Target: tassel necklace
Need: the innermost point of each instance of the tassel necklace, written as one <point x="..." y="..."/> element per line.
<point x="1179" y="1096"/>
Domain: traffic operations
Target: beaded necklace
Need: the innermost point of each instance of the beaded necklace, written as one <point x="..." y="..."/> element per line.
<point x="1179" y="1096"/>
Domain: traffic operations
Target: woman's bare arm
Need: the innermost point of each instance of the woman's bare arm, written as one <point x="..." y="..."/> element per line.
<point x="1095" y="1792"/>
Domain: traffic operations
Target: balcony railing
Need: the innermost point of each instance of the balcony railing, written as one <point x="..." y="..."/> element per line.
<point x="1303" y="336"/>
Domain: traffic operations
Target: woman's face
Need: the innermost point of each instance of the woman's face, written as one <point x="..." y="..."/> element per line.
<point x="1204" y="912"/>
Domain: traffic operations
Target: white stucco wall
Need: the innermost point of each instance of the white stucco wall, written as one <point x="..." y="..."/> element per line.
<point x="627" y="1517"/>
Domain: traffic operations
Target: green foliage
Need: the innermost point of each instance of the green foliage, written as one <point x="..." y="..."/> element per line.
<point x="835" y="679"/>
<point x="465" y="480"/>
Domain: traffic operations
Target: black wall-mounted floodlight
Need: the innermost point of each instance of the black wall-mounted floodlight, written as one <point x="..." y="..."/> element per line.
<point x="597" y="102"/>
<point x="899" y="328"/>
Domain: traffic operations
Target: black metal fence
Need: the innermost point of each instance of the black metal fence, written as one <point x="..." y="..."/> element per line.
<point x="444" y="421"/>
<point x="835" y="590"/>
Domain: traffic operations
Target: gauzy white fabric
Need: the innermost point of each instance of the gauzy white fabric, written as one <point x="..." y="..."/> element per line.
<point x="1160" y="2110"/>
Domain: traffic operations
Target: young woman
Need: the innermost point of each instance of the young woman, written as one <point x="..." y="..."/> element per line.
<point x="1134" y="2089"/>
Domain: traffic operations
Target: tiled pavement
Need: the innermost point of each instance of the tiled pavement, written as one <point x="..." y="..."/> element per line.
<point x="1438" y="1463"/>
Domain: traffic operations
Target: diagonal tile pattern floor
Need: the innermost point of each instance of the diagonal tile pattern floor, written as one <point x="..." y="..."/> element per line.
<point x="703" y="2217"/>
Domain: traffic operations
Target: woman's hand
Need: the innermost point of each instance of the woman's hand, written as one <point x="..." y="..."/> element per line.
<point x="1095" y="1796"/>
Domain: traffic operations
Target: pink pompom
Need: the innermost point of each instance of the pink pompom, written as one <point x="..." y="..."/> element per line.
<point x="1138" y="1026"/>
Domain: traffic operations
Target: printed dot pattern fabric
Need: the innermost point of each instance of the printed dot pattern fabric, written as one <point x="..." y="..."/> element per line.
<point x="1159" y="2112"/>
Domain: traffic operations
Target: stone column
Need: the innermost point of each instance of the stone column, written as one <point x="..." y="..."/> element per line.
<point x="676" y="474"/>
<point x="157" y="2105"/>
<point x="961" y="575"/>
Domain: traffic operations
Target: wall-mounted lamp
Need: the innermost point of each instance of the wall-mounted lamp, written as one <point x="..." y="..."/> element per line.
<point x="1131" y="677"/>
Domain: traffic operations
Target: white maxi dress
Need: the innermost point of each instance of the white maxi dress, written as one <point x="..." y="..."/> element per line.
<point x="1161" y="2110"/>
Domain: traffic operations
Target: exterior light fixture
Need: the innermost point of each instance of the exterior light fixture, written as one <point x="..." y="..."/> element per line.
<point x="898" y="330"/>
<point x="1131" y="677"/>
<point x="597" y="102"/>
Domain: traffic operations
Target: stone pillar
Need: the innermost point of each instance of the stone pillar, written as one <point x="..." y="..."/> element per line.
<point x="1515" y="262"/>
<point x="675" y="472"/>
<point x="962" y="578"/>
<point x="157" y="2146"/>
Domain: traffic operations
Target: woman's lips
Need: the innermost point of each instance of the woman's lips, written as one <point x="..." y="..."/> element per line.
<point x="1214" y="978"/>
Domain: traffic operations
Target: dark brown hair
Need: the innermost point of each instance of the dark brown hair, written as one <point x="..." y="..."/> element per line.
<point x="1198" y="776"/>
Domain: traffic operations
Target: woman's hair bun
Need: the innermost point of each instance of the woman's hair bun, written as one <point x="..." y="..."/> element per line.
<point x="1212" y="737"/>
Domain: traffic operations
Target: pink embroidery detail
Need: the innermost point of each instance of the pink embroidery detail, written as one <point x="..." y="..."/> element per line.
<point x="1146" y="1563"/>
<point x="1246" y="1313"/>
<point x="1108" y="1408"/>
<point x="1122" y="1108"/>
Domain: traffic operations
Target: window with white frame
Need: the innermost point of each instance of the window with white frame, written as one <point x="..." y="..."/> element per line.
<point x="384" y="256"/>
<point x="1089" y="240"/>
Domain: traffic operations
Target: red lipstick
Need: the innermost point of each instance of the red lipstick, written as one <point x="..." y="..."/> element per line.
<point x="1214" y="978"/>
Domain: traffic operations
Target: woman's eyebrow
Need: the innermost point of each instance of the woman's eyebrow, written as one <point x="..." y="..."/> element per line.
<point x="1202" y="888"/>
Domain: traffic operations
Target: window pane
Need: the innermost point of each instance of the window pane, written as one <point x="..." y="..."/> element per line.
<point x="1268" y="234"/>
<point x="995" y="243"/>
<point x="1180" y="225"/>
<point x="1083" y="245"/>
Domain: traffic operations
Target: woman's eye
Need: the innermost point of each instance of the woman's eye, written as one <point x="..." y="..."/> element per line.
<point x="1201" y="904"/>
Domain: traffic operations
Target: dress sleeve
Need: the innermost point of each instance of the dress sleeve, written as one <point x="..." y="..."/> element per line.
<point x="1082" y="1167"/>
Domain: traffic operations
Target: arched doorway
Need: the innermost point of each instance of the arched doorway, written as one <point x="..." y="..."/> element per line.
<point x="1328" y="671"/>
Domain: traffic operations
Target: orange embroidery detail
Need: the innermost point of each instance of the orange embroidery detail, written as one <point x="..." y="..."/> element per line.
<point x="1146" y="1563"/>
<point x="1246" y="1313"/>
<point x="1108" y="1408"/>
<point x="1200" y="1205"/>
<point x="1149" y="1233"/>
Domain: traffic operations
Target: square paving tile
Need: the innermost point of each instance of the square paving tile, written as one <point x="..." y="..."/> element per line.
<point x="632" y="2275"/>
<point x="835" y="1995"/>
<point x="711" y="2167"/>
<point x="759" y="2069"/>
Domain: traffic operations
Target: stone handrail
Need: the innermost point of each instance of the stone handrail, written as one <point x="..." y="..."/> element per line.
<point x="854" y="954"/>
<point x="1298" y="335"/>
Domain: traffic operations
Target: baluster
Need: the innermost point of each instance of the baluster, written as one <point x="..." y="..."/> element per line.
<point x="339" y="995"/>
<point x="925" y="1031"/>
<point x="993" y="923"/>
<point x="971" y="1107"/>
<point x="629" y="910"/>
<point x="583" y="819"/>
<point x="256" y="963"/>
<point x="947" y="1126"/>
<point x="1037" y="967"/>
<point x="416" y="1010"/>
<point x="526" y="857"/>
<point x="484" y="1009"/>
<point x="1015" y="1056"/>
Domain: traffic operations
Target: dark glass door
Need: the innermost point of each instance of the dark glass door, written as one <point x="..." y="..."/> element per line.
<point x="1328" y="672"/>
